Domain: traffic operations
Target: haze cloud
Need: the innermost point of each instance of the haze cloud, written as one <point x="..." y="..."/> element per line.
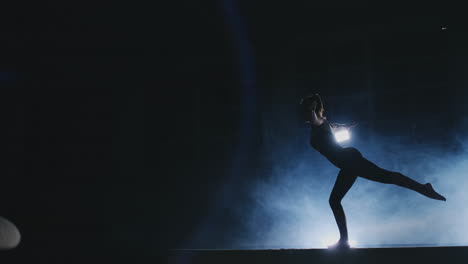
<point x="290" y="207"/>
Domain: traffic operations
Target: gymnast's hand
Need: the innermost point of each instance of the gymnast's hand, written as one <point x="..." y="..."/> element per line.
<point x="313" y="105"/>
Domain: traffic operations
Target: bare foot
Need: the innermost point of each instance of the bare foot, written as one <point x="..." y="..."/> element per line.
<point x="340" y="245"/>
<point x="431" y="193"/>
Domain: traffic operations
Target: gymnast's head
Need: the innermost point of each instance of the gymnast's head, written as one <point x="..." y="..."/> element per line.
<point x="309" y="103"/>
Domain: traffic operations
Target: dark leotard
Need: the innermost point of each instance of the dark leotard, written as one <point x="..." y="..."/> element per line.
<point x="323" y="140"/>
<point x="352" y="165"/>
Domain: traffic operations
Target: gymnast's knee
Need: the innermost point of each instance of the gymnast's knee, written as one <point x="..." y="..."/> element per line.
<point x="387" y="180"/>
<point x="334" y="201"/>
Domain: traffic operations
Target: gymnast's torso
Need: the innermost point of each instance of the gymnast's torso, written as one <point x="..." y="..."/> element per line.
<point x="323" y="140"/>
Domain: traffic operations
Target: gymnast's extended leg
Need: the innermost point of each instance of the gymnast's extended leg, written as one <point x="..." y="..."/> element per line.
<point x="370" y="171"/>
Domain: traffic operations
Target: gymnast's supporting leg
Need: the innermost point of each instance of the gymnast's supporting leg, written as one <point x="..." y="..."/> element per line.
<point x="343" y="183"/>
<point x="370" y="171"/>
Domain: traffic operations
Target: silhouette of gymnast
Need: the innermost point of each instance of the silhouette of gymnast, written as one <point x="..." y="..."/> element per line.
<point x="351" y="164"/>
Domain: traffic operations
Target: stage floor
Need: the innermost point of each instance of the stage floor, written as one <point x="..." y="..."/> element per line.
<point x="390" y="254"/>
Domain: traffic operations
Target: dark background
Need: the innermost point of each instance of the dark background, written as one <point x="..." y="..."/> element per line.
<point x="122" y="121"/>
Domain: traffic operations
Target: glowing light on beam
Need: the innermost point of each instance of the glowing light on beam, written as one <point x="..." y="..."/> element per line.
<point x="329" y="241"/>
<point x="342" y="135"/>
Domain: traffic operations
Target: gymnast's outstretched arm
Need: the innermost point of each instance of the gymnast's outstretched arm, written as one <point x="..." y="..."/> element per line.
<point x="337" y="126"/>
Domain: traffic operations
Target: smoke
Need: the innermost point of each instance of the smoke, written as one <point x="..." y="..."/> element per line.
<point x="289" y="207"/>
